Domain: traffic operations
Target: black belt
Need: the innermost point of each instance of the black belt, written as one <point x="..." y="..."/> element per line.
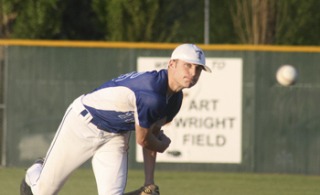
<point x="84" y="112"/>
<point x="94" y="121"/>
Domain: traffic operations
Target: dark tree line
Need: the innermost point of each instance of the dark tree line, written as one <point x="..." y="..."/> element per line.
<point x="285" y="22"/>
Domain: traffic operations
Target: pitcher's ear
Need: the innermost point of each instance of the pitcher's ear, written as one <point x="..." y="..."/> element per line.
<point x="171" y="63"/>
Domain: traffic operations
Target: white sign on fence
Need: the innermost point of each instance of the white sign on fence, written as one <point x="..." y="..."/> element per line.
<point x="208" y="128"/>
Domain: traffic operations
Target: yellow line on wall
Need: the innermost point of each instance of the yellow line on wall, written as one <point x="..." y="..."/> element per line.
<point x="271" y="48"/>
<point x="95" y="44"/>
<point x="101" y="44"/>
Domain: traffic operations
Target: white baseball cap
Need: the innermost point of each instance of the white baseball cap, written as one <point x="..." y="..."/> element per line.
<point x="190" y="53"/>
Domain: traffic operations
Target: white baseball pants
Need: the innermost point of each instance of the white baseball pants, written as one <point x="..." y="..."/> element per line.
<point x="76" y="141"/>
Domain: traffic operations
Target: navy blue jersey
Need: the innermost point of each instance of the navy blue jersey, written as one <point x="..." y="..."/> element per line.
<point x="136" y="97"/>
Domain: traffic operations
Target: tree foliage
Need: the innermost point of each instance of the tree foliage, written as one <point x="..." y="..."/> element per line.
<point x="300" y="23"/>
<point x="132" y="21"/>
<point x="153" y="20"/>
<point x="293" y="22"/>
<point x="53" y="19"/>
<point x="254" y="20"/>
<point x="8" y="15"/>
<point x="35" y="19"/>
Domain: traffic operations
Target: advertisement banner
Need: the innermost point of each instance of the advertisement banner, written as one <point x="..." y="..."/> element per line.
<point x="208" y="128"/>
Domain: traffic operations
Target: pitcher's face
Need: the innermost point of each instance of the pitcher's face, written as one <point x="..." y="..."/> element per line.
<point x="185" y="74"/>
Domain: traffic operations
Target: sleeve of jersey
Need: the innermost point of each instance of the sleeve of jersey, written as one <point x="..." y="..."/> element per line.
<point x="150" y="108"/>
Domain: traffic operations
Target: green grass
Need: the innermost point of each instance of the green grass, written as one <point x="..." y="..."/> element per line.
<point x="183" y="183"/>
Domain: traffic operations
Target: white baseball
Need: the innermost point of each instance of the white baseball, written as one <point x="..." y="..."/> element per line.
<point x="287" y="75"/>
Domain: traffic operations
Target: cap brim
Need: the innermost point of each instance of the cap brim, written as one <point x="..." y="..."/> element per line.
<point x="206" y="68"/>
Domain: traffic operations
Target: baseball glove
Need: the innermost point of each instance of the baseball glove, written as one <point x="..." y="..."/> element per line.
<point x="145" y="190"/>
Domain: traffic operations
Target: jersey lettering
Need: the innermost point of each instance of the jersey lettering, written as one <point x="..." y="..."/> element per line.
<point x="130" y="75"/>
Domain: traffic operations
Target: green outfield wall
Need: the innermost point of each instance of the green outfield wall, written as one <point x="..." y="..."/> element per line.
<point x="280" y="130"/>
